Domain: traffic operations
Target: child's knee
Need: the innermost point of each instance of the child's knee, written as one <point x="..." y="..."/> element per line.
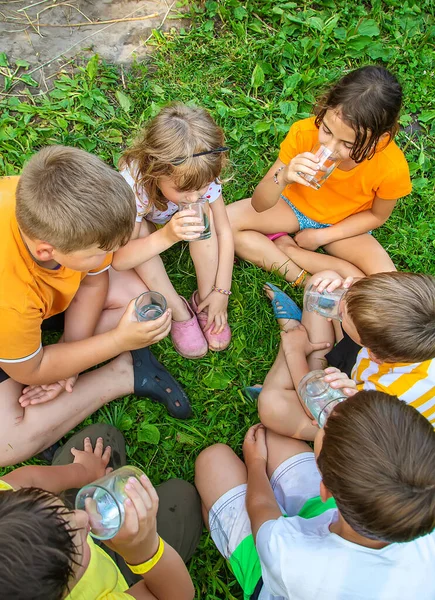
<point x="268" y="410"/>
<point x="210" y="457"/>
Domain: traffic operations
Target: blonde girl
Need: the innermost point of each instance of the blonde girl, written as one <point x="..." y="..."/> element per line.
<point x="179" y="157"/>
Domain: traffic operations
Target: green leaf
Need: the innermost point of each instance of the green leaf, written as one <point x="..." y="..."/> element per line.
<point x="22" y="63"/>
<point x="368" y="27"/>
<point x="261" y="126"/>
<point x="148" y="434"/>
<point x="240" y="13"/>
<point x="291" y="82"/>
<point x="124" y="101"/>
<point x="288" y="108"/>
<point x="217" y="380"/>
<point x="185" y="438"/>
<point x="379" y="50"/>
<point x="29" y="80"/>
<point x="92" y="67"/>
<point x="3" y="60"/>
<point x="112" y="135"/>
<point x="315" y="23"/>
<point x="426" y="116"/>
<point x="359" y="42"/>
<point x="257" y="77"/>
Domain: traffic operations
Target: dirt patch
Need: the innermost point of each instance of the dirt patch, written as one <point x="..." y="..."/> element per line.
<point x="46" y="33"/>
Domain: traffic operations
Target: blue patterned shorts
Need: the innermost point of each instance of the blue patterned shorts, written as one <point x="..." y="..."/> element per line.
<point x="304" y="221"/>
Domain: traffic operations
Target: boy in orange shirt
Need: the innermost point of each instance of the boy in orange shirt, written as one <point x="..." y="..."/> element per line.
<point x="59" y="223"/>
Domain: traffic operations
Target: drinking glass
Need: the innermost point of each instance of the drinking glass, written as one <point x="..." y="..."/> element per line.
<point x="327" y="163"/>
<point x="327" y="304"/>
<point x="318" y="396"/>
<point x="202" y="210"/>
<point x="104" y="499"/>
<point x="149" y="306"/>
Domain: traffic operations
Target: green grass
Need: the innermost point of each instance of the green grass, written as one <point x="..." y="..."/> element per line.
<point x="257" y="67"/>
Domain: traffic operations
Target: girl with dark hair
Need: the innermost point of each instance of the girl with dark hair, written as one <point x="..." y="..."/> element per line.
<point x="356" y="120"/>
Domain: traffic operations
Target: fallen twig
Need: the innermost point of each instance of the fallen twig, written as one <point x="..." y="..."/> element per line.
<point x="111" y="22"/>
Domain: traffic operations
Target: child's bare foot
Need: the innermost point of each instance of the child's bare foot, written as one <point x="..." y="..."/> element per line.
<point x="286" y="311"/>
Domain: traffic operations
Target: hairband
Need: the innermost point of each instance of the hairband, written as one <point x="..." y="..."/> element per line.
<point x="181" y="160"/>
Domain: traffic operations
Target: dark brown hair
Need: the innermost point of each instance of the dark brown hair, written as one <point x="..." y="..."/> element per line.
<point x="378" y="461"/>
<point x="394" y="315"/>
<point x="36" y="546"/>
<point x="73" y="200"/>
<point x="166" y="146"/>
<point x="368" y="100"/>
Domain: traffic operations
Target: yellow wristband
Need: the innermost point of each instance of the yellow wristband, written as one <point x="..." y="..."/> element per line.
<point x="149" y="564"/>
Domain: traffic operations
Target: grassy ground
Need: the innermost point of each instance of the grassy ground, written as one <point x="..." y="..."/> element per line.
<point x="257" y="67"/>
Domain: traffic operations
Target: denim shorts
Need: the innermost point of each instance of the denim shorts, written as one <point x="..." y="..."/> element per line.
<point x="304" y="221"/>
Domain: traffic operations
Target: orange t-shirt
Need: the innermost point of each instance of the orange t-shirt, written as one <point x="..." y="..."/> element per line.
<point x="29" y="293"/>
<point x="344" y="193"/>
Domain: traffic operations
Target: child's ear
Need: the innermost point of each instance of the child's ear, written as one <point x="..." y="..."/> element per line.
<point x="324" y="492"/>
<point x="44" y="251"/>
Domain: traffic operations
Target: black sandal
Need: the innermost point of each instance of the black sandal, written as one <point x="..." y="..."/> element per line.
<point x="152" y="380"/>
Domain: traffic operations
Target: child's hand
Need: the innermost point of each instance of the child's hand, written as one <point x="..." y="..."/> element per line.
<point x="296" y="341"/>
<point x="254" y="446"/>
<point x="137" y="540"/>
<point x="302" y="163"/>
<point x="309" y="239"/>
<point x="185" y="226"/>
<point x="132" y="335"/>
<point x="340" y="381"/>
<point x="38" y="394"/>
<point x="329" y="284"/>
<point x="217" y="305"/>
<point x="94" y="461"/>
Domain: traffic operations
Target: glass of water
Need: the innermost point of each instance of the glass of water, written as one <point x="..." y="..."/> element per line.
<point x="149" y="306"/>
<point x="202" y="210"/>
<point x="318" y="396"/>
<point x="104" y="499"/>
<point x="327" y="163"/>
<point x="327" y="304"/>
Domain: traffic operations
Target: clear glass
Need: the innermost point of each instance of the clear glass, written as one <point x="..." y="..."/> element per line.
<point x="318" y="396"/>
<point x="327" y="163"/>
<point x="202" y="210"/>
<point x="103" y="500"/>
<point x="149" y="306"/>
<point x="327" y="304"/>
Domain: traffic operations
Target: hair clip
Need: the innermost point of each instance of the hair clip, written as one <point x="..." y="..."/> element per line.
<point x="179" y="161"/>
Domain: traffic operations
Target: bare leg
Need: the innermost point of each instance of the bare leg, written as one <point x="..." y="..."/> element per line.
<point x="217" y="470"/>
<point x="279" y="407"/>
<point x="250" y="229"/>
<point x="313" y="262"/>
<point x="25" y="432"/>
<point x="205" y="256"/>
<point x="363" y="251"/>
<point x="153" y="274"/>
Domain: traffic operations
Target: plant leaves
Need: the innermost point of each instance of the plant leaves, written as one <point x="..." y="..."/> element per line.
<point x="148" y="434"/>
<point x="124" y="101"/>
<point x="92" y="67"/>
<point x="217" y="380"/>
<point x="368" y="27"/>
<point x="257" y="77"/>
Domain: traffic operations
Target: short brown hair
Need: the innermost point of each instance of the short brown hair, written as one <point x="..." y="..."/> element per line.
<point x="394" y="315"/>
<point x="369" y="100"/>
<point x="73" y="200"/>
<point x="378" y="462"/>
<point x="166" y="146"/>
<point x="36" y="545"/>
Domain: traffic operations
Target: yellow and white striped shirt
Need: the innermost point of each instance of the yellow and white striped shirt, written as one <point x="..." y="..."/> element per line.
<point x="412" y="382"/>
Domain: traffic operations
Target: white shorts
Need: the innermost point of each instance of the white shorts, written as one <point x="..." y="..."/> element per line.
<point x="295" y="481"/>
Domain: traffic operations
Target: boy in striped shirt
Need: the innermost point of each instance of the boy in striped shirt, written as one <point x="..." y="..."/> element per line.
<point x="385" y="342"/>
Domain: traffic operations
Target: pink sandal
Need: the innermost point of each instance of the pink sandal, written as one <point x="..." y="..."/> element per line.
<point x="187" y="336"/>
<point x="216" y="341"/>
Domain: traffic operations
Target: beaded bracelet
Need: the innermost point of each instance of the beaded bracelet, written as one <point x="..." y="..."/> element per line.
<point x="275" y="175"/>
<point x="299" y="279"/>
<point x="221" y="291"/>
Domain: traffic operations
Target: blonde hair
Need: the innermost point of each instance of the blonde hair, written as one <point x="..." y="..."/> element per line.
<point x="166" y="146"/>
<point x="394" y="315"/>
<point x="73" y="200"/>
